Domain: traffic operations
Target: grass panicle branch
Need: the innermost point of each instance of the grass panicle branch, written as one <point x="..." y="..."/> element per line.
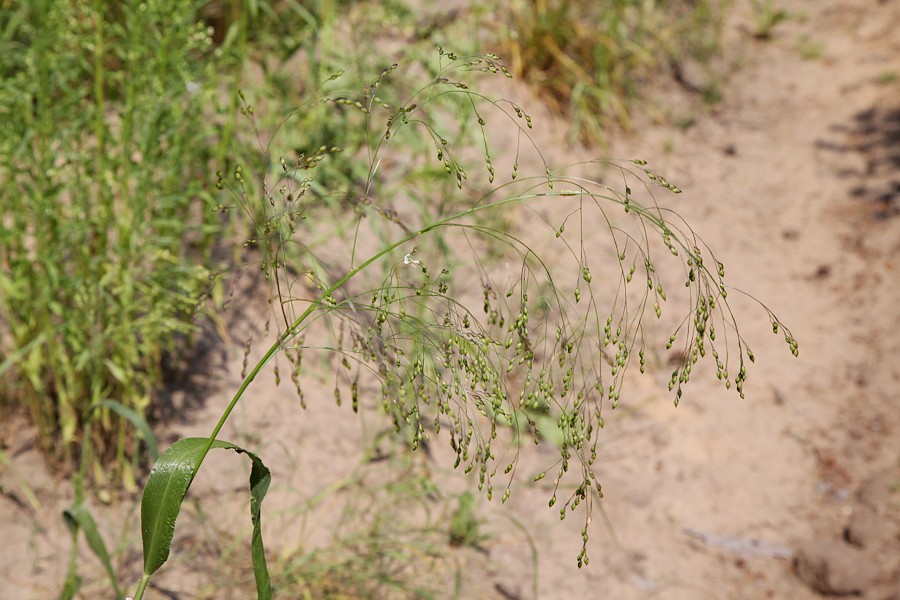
<point x="546" y="356"/>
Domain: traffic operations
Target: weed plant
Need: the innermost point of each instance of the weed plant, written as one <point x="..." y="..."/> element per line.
<point x="487" y="343"/>
<point x="593" y="60"/>
<point x="767" y="15"/>
<point x="105" y="240"/>
<point x="410" y="273"/>
<point x="395" y="537"/>
<point x="111" y="118"/>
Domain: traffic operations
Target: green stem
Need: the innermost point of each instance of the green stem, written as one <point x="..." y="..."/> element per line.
<point x="145" y="579"/>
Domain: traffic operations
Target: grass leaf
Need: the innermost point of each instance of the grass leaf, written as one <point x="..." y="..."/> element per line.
<point x="164" y="493"/>
<point x="78" y="517"/>
<point x="139" y="422"/>
<point x="71" y="586"/>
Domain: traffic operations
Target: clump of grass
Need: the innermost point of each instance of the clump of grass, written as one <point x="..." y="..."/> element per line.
<point x="886" y="78"/>
<point x="767" y="15"/>
<point x="391" y="540"/>
<point x="464" y="527"/>
<point x="592" y="60"/>
<point x="809" y="48"/>
<point x="487" y="343"/>
<point x="105" y="232"/>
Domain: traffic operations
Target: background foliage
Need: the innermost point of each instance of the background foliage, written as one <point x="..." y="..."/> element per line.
<point x="105" y="235"/>
<point x="595" y="60"/>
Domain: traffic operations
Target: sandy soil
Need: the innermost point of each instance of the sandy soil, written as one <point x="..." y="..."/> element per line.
<point x="794" y="180"/>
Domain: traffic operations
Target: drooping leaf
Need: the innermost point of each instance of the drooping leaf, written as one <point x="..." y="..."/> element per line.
<point x="78" y="517"/>
<point x="139" y="422"/>
<point x="164" y="494"/>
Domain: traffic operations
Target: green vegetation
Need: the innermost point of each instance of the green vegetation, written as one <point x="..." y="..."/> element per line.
<point x="356" y="196"/>
<point x="767" y="15"/>
<point x="593" y="60"/>
<point x="887" y="78"/>
<point x="809" y="48"/>
<point x="105" y="233"/>
<point x="490" y="379"/>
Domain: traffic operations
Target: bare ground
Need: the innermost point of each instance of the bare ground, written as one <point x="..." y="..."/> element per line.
<point x="794" y="180"/>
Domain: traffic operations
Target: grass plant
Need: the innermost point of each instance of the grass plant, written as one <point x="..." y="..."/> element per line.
<point x="767" y="15"/>
<point x="459" y="296"/>
<point x="394" y="538"/>
<point x="401" y="317"/>
<point x="593" y="60"/>
<point x="105" y="236"/>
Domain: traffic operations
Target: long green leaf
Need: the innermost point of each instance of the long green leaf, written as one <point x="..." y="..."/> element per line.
<point x="139" y="422"/>
<point x="164" y="493"/>
<point x="78" y="517"/>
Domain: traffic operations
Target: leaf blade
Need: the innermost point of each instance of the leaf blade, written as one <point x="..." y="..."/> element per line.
<point x="166" y="486"/>
<point x="138" y="421"/>
<point x="164" y="493"/>
<point x="78" y="517"/>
